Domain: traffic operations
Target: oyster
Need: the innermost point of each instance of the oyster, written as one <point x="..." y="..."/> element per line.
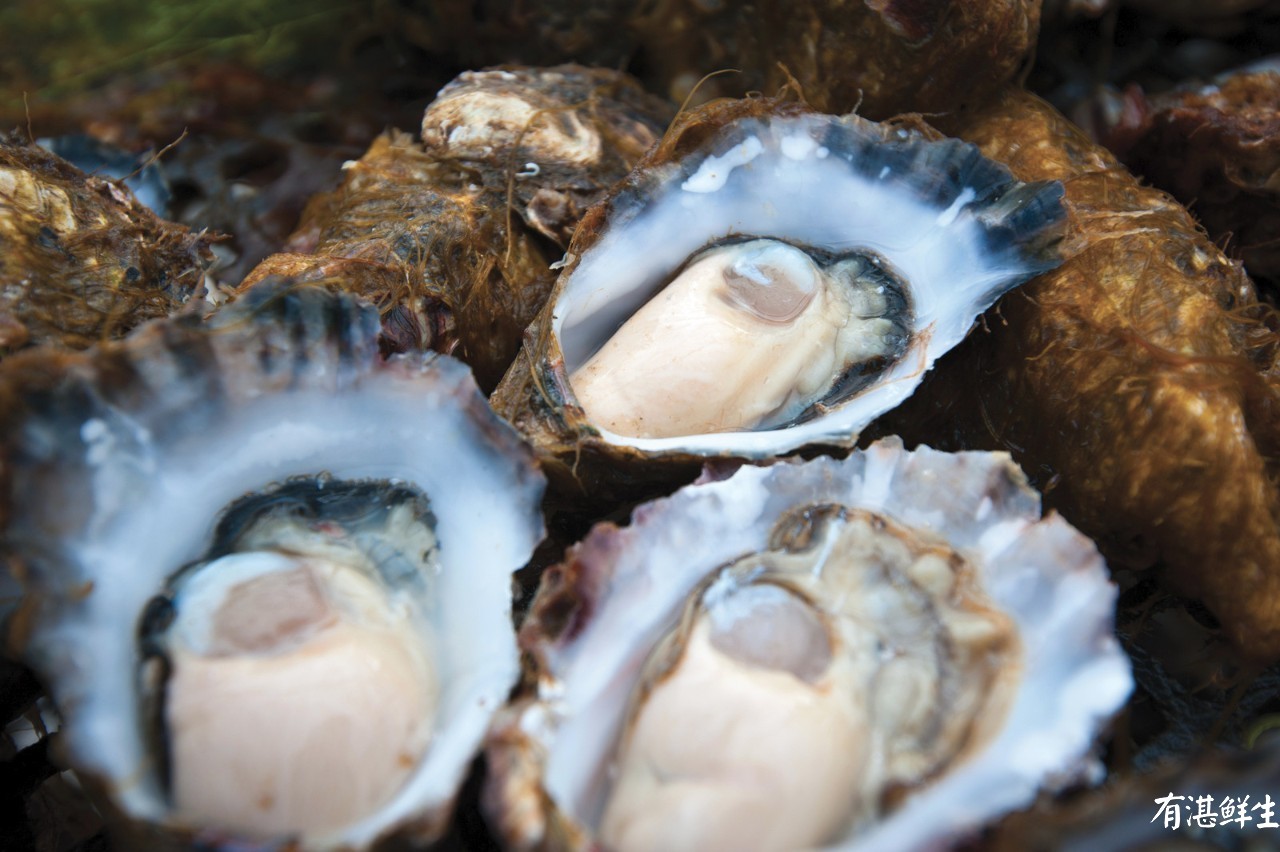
<point x="84" y="260"/>
<point x="882" y="651"/>
<point x="268" y="574"/>
<point x="550" y="141"/>
<point x="770" y="278"/>
<point x="1216" y="149"/>
<point x="1139" y="375"/>
<point x="451" y="237"/>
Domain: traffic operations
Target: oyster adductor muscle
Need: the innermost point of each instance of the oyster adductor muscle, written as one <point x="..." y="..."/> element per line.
<point x="880" y="652"/>
<point x="266" y="577"/>
<point x="770" y="278"/>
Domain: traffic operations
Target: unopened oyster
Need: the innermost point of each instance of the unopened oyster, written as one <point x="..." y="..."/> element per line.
<point x="267" y="573"/>
<point x="83" y="260"/>
<point x="880" y="652"/>
<point x="770" y="278"/>
<point x="1139" y="375"/>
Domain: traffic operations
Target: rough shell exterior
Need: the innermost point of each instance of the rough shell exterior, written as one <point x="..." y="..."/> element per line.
<point x="1138" y="376"/>
<point x="551" y="140"/>
<point x="454" y="242"/>
<point x="1216" y="148"/>
<point x="83" y="261"/>
<point x="597" y="615"/>
<point x="890" y="56"/>
<point x="909" y="56"/>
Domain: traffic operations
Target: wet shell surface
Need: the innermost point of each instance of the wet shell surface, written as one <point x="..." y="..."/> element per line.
<point x="771" y="278"/>
<point x="881" y="652"/>
<point x="267" y="576"/>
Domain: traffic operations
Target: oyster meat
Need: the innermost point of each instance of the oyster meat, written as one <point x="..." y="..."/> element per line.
<point x="878" y="652"/>
<point x="762" y="308"/>
<point x="267" y="573"/>
<point x="314" y="588"/>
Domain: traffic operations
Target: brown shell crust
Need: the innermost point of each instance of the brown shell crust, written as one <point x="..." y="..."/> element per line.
<point x="578" y="131"/>
<point x="1217" y="150"/>
<point x="83" y="261"/>
<point x="439" y="242"/>
<point x="881" y="57"/>
<point x="888" y="56"/>
<point x="1138" y="381"/>
<point x="436" y="257"/>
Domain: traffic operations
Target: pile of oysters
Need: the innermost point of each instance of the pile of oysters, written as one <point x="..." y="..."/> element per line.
<point x="668" y="575"/>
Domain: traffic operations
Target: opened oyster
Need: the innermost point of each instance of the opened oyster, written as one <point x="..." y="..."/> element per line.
<point x="770" y="278"/>
<point x="886" y="650"/>
<point x="268" y="573"/>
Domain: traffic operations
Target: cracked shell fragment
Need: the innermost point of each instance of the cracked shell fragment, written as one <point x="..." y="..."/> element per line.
<point x="881" y="652"/>
<point x="770" y="278"/>
<point x="266" y="577"/>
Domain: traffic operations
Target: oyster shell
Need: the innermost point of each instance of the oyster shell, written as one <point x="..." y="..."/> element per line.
<point x="84" y="260"/>
<point x="1216" y="148"/>
<point x="550" y="141"/>
<point x="1140" y="375"/>
<point x="892" y="648"/>
<point x="909" y="57"/>
<point x="878" y="56"/>
<point x="770" y="278"/>
<point x="257" y="557"/>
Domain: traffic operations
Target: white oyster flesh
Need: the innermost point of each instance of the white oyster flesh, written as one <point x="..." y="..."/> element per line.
<point x="130" y="463"/>
<point x="246" y="754"/>
<point x="722" y="307"/>
<point x="882" y="652"/>
<point x="746" y="337"/>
